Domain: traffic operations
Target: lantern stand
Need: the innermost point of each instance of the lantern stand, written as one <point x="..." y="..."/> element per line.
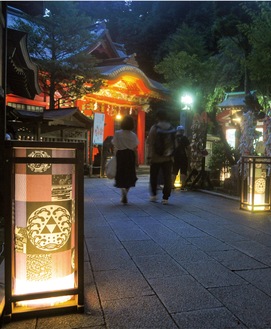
<point x="255" y="183"/>
<point x="44" y="216"/>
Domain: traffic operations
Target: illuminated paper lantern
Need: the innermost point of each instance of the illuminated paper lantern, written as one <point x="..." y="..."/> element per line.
<point x="46" y="222"/>
<point x="255" y="183"/>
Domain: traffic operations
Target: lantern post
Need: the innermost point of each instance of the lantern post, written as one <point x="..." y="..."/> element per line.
<point x="44" y="228"/>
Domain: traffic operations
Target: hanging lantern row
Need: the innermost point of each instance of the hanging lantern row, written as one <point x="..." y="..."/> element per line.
<point x="117" y="111"/>
<point x="109" y="109"/>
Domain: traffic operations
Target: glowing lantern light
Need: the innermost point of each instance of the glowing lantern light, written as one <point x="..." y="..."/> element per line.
<point x="47" y="219"/>
<point x="255" y="183"/>
<point x="118" y="116"/>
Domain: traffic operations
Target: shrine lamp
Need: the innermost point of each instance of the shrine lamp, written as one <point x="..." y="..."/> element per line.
<point x="186" y="101"/>
<point x="44" y="232"/>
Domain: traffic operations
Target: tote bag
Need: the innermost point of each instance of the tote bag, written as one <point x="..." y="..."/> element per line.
<point x="111" y="168"/>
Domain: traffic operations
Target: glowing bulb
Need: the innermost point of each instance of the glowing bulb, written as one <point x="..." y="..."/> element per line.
<point x="118" y="116"/>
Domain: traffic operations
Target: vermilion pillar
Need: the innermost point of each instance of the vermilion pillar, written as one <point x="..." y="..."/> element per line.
<point x="109" y="126"/>
<point x="141" y="136"/>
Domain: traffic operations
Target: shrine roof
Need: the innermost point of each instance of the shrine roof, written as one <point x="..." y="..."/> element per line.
<point x="32" y="8"/>
<point x="63" y="116"/>
<point x="102" y="45"/>
<point x="23" y="115"/>
<point x="236" y="99"/>
<point x="114" y="61"/>
<point x="66" y="114"/>
<point x="22" y="77"/>
<point x="115" y="71"/>
<point x="120" y="49"/>
<point x="107" y="51"/>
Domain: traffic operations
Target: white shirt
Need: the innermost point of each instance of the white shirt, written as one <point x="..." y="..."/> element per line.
<point x="125" y="139"/>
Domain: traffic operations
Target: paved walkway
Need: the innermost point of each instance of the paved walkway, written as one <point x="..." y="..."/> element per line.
<point x="197" y="263"/>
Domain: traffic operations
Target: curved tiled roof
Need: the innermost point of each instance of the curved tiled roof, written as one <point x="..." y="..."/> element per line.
<point x="119" y="62"/>
<point x="66" y="115"/>
<point x="115" y="71"/>
<point x="234" y="99"/>
<point x="22" y="73"/>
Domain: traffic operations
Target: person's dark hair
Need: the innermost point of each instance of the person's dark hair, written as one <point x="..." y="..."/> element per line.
<point x="161" y="115"/>
<point x="127" y="123"/>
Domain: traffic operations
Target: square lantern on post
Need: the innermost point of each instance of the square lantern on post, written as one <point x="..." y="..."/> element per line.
<point x="255" y="183"/>
<point x="44" y="227"/>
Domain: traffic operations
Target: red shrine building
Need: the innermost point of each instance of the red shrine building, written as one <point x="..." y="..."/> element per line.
<point x="127" y="90"/>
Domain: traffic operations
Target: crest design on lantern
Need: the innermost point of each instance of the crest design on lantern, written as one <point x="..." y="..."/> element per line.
<point x="39" y="167"/>
<point x="49" y="227"/>
<point x="260" y="185"/>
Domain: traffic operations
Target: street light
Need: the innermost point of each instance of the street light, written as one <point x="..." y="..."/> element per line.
<point x="186" y="101"/>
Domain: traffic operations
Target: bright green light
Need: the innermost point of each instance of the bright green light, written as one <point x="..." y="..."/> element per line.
<point x="187" y="100"/>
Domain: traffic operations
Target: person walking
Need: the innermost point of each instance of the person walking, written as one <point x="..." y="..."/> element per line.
<point x="180" y="157"/>
<point x="107" y="153"/>
<point x="160" y="157"/>
<point x="125" y="143"/>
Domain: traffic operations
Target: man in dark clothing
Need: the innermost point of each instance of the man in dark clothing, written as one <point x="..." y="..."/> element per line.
<point x="180" y="157"/>
<point x="160" y="162"/>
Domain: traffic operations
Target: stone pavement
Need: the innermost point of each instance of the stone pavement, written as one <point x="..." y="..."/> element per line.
<point x="197" y="263"/>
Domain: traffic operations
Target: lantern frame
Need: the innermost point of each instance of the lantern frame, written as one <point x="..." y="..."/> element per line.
<point x="63" y="155"/>
<point x="255" y="183"/>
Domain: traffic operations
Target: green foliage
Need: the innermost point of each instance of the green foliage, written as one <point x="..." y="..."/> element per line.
<point x="185" y="39"/>
<point x="189" y="65"/>
<point x="259" y="59"/>
<point x="58" y="43"/>
<point x="181" y="69"/>
<point x="212" y="100"/>
<point x="219" y="157"/>
<point x="230" y="64"/>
